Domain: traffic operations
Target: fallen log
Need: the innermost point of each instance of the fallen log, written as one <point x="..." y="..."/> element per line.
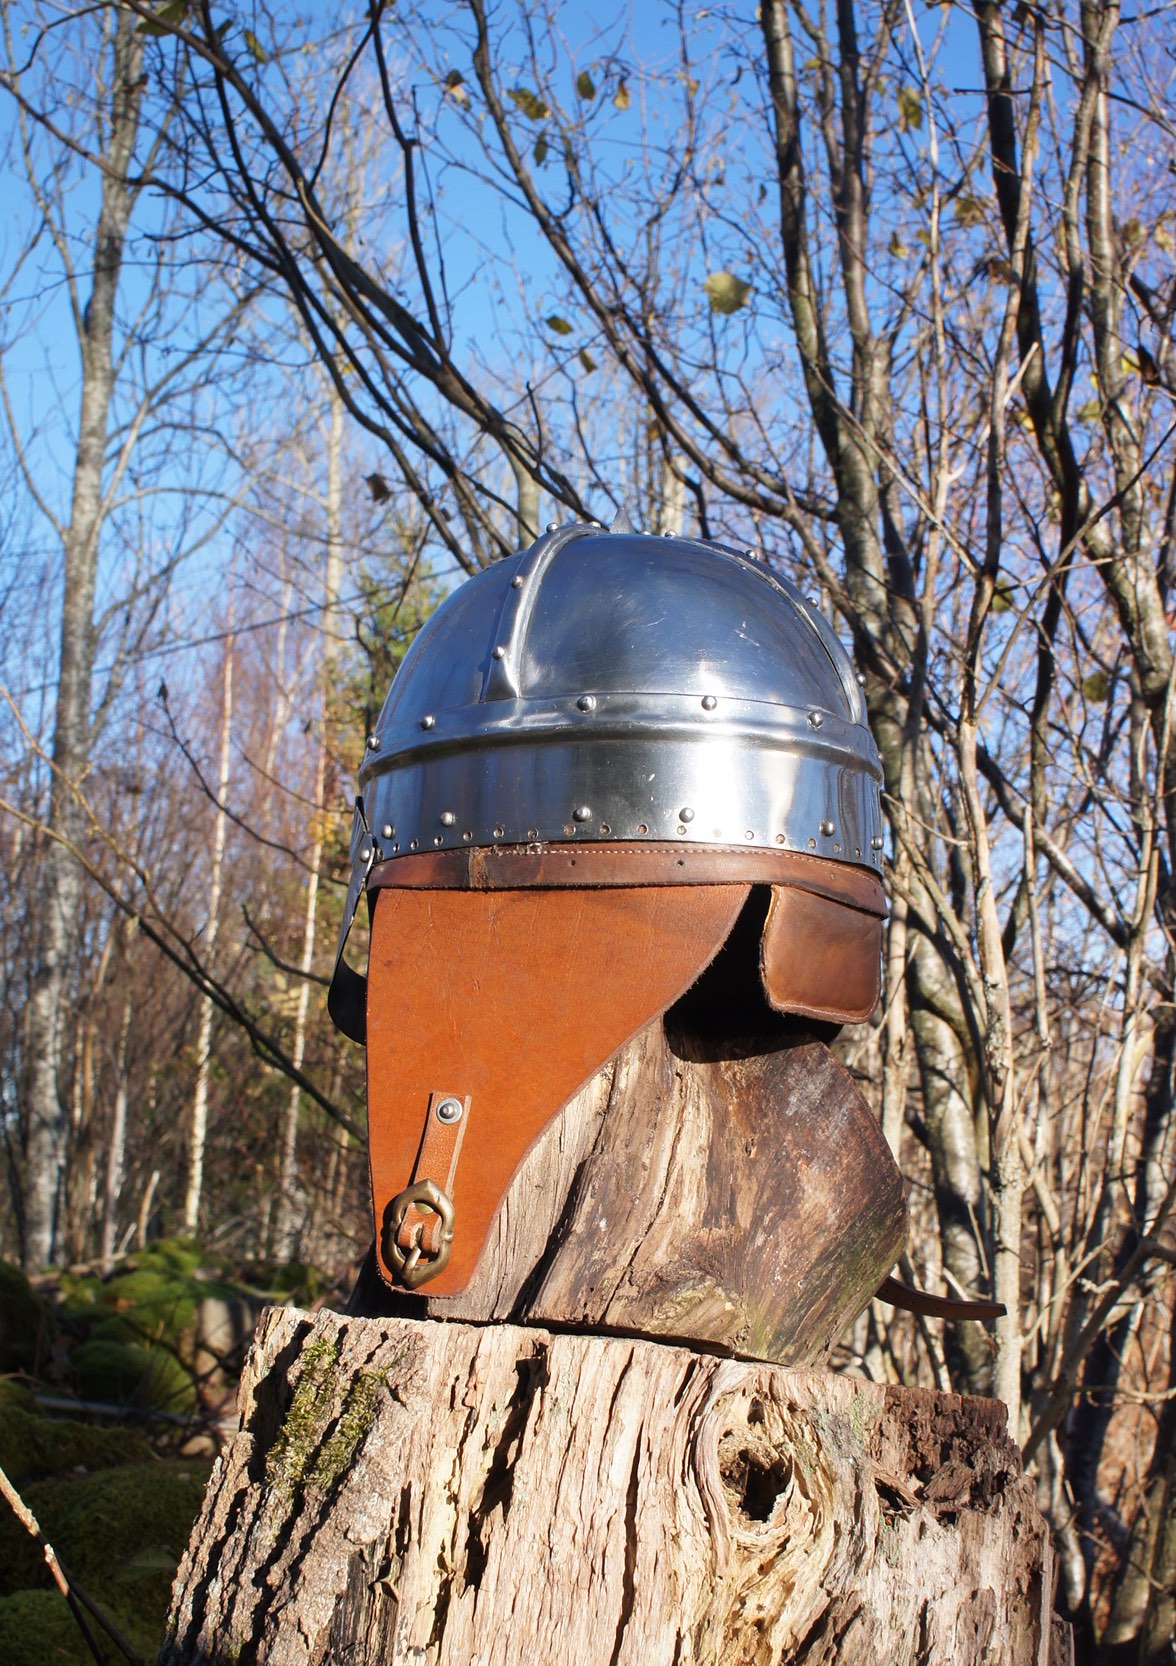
<point x="444" y="1493"/>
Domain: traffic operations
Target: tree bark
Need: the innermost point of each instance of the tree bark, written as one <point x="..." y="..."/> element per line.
<point x="437" y="1492"/>
<point x="60" y="900"/>
<point x="199" y="1124"/>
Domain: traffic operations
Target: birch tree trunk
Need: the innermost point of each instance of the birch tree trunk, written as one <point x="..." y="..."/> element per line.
<point x="116" y="1147"/>
<point x="47" y="1017"/>
<point x="433" y="1492"/>
<point x="287" y="1232"/>
<point x="199" y="1125"/>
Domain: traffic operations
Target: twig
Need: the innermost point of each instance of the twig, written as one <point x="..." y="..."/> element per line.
<point x="73" y="1593"/>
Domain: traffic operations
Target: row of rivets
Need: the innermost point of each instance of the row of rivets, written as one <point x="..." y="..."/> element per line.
<point x="583" y="813"/>
<point x="586" y="703"/>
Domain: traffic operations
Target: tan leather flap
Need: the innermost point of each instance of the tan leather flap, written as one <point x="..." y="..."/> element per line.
<point x="512" y="999"/>
<point x="820" y="958"/>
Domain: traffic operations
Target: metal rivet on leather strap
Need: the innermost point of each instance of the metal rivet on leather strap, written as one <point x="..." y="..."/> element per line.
<point x="449" y="1110"/>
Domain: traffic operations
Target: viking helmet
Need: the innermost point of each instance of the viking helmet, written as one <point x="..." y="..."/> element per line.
<point x="647" y="728"/>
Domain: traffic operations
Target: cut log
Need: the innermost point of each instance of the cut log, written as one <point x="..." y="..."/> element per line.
<point x="702" y="1187"/>
<point x="443" y="1494"/>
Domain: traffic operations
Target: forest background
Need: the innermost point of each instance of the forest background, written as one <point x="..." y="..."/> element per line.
<point x="307" y="314"/>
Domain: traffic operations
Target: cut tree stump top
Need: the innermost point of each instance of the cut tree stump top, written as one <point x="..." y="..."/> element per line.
<point x="445" y="1494"/>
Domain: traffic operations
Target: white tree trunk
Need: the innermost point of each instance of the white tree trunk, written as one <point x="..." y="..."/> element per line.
<point x="199" y="1124"/>
<point x="288" y="1232"/>
<point x="45" y="1144"/>
<point x="116" y="1147"/>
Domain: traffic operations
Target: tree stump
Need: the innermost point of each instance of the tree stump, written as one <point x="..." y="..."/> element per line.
<point x="443" y="1493"/>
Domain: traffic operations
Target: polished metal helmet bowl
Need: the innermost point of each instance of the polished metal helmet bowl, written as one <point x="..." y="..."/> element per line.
<point x="624" y="687"/>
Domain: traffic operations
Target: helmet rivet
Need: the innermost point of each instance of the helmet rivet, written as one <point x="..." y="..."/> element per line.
<point x="749" y="834"/>
<point x="467" y="837"/>
<point x="414" y="844"/>
<point x="582" y="812"/>
<point x="709" y="702"/>
<point x="387" y="831"/>
<point x="427" y="722"/>
<point x="516" y="582"/>
<point x="686" y="815"/>
<point x="373" y="743"/>
<point x="812" y="844"/>
<point x="752" y="555"/>
<point x="587" y="702"/>
<point x="438" y="840"/>
<point x="449" y="1110"/>
<point x="447" y="818"/>
<point x="553" y="526"/>
<point x="498" y="832"/>
<point x="815" y="720"/>
<point x="499" y="652"/>
<point x="861" y="678"/>
<point x="876" y="842"/>
<point x="813" y="599"/>
<point x="827" y="829"/>
<point x="365" y="853"/>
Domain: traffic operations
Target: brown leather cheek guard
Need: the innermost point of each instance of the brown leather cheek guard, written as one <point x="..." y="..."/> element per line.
<point x="820" y="958"/>
<point x="503" y="1002"/>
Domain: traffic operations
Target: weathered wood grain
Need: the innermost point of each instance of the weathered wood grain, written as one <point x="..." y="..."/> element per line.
<point x="708" y="1189"/>
<point x="446" y="1494"/>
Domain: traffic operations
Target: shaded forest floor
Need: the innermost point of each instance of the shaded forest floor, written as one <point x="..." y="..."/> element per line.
<point x="116" y="1393"/>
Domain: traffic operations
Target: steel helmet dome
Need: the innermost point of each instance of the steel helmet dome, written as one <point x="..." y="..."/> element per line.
<point x="605" y="685"/>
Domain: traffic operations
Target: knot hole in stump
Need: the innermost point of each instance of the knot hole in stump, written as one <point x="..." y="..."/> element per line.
<point x="755" y="1474"/>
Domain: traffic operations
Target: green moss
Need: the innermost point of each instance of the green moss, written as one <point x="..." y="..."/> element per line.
<point x="127" y="1375"/>
<point x="27" y="1325"/>
<point x="39" y="1630"/>
<point x="296" y="1282"/>
<point x="304" y="1456"/>
<point x="33" y="1447"/>
<point x="184" y="1255"/>
<point x="120" y="1532"/>
<point x="341" y="1445"/>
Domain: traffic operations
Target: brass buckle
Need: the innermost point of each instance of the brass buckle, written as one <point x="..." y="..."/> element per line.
<point x="409" y="1266"/>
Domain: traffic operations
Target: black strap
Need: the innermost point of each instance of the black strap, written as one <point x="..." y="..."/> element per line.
<point x="347" y="995"/>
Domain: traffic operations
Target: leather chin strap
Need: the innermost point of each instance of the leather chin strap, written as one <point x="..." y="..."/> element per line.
<point x="503" y="1004"/>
